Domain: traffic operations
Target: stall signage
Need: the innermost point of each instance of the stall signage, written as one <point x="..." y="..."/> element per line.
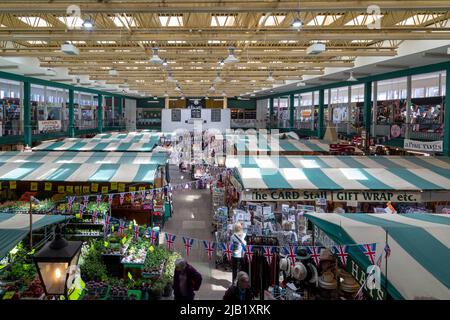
<point x="337" y="196"/>
<point x="49" y="125"/>
<point x="360" y="275"/>
<point x="424" y="146"/>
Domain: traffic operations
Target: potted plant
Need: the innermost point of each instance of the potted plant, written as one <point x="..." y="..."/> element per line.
<point x="168" y="285"/>
<point x="157" y="289"/>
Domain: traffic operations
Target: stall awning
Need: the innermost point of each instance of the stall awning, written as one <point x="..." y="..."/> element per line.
<point x="15" y="227"/>
<point x="419" y="264"/>
<point x="61" y="157"/>
<point x="342" y="172"/>
<point x="124" y="145"/>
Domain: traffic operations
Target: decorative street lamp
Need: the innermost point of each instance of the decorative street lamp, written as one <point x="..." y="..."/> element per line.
<point x="56" y="263"/>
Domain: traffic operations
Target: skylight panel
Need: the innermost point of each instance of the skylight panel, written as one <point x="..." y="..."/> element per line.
<point x="417" y="19"/>
<point x="364" y="19"/>
<point x="71" y="22"/>
<point x="271" y="21"/>
<point x="123" y="21"/>
<point x="222" y="21"/>
<point x="171" y="21"/>
<point x="35" y="22"/>
<point x="323" y="20"/>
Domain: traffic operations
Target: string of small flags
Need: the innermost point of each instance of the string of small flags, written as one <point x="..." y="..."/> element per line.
<point x="99" y="198"/>
<point x="227" y="248"/>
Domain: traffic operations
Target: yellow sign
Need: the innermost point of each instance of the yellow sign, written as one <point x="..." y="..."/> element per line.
<point x="142" y="188"/>
<point x="132" y="189"/>
<point x="12" y="185"/>
<point x="104" y="189"/>
<point x="77" y="189"/>
<point x="34" y="186"/>
<point x="0" y="186"/>
<point x="94" y="187"/>
<point x="48" y="186"/>
<point x="113" y="185"/>
<point x="61" y="189"/>
<point x="69" y="189"/>
<point x="86" y="189"/>
<point x="121" y="187"/>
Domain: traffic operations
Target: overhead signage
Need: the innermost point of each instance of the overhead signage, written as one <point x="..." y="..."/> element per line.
<point x="49" y="125"/>
<point x="424" y="146"/>
<point x="343" y="196"/>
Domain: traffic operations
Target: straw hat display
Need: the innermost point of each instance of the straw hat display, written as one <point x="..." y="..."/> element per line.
<point x="349" y="284"/>
<point x="299" y="271"/>
<point x="285" y="265"/>
<point x="326" y="255"/>
<point x="328" y="281"/>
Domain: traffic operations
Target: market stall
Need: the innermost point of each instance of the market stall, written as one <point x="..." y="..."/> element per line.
<point x="346" y="183"/>
<point x="418" y="247"/>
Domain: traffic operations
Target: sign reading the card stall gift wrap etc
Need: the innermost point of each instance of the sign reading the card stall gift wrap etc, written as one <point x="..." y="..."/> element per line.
<point x="344" y="196"/>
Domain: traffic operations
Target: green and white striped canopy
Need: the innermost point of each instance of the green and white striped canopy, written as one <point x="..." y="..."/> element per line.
<point x="136" y="143"/>
<point x="15" y="227"/>
<point x="126" y="167"/>
<point x="136" y="135"/>
<point x="419" y="264"/>
<point x="251" y="144"/>
<point x="342" y="172"/>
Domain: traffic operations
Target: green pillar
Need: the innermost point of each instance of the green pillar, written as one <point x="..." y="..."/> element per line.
<point x="270" y="112"/>
<point x="119" y="111"/>
<point x="320" y="127"/>
<point x="367" y="106"/>
<point x="71" y="114"/>
<point x="291" y="110"/>
<point x="27" y="140"/>
<point x="99" y="113"/>
<point x="447" y="115"/>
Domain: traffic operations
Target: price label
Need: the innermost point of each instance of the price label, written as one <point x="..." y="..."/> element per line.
<point x="94" y="187"/>
<point x="61" y="189"/>
<point x="121" y="187"/>
<point x="48" y="186"/>
<point x="131" y="189"/>
<point x="34" y="186"/>
<point x="69" y="189"/>
<point x="113" y="185"/>
<point x="104" y="189"/>
<point x="12" y="185"/>
<point x="86" y="189"/>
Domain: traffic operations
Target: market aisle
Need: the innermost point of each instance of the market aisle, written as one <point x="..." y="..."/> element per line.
<point x="192" y="217"/>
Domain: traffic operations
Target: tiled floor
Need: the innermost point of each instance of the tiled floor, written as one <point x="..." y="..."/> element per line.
<point x="192" y="217"/>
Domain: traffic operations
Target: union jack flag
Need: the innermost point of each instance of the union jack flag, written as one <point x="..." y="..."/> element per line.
<point x="315" y="254"/>
<point x="369" y="250"/>
<point x="248" y="252"/>
<point x="143" y="192"/>
<point x="170" y="238"/>
<point x="121" y="227"/>
<point x="188" y="242"/>
<point x="209" y="247"/>
<point x="121" y="198"/>
<point x="94" y="216"/>
<point x="153" y="236"/>
<point x="268" y="254"/>
<point x="341" y="252"/>
<point x="110" y="198"/>
<point x="85" y="200"/>
<point x="227" y="250"/>
<point x="107" y="223"/>
<point x="99" y="199"/>
<point x="291" y="253"/>
<point x="70" y="200"/>
<point x="136" y="232"/>
<point x="387" y="250"/>
<point x="132" y="196"/>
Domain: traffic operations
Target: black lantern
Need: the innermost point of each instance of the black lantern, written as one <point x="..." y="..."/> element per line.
<point x="56" y="261"/>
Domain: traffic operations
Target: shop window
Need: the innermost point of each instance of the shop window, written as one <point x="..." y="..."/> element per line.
<point x="427" y="85"/>
<point x="10" y="108"/>
<point x="216" y="115"/>
<point x="196" y="113"/>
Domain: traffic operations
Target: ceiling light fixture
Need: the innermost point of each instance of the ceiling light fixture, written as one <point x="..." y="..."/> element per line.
<point x="170" y="77"/>
<point x="177" y="88"/>
<point x="231" y="57"/>
<point x="297" y="23"/>
<point x="352" y="78"/>
<point x="88" y="24"/>
<point x="270" y="77"/>
<point x="221" y="62"/>
<point x="218" y="79"/>
<point x="224" y="94"/>
<point x="155" y="59"/>
<point x="164" y="63"/>
<point x="301" y="84"/>
<point x="166" y="94"/>
<point x="212" y="89"/>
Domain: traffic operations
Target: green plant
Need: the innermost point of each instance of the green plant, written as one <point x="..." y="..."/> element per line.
<point x="169" y="269"/>
<point x="91" y="264"/>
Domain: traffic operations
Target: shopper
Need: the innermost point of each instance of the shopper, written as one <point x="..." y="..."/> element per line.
<point x="238" y="241"/>
<point x="186" y="280"/>
<point x="240" y="291"/>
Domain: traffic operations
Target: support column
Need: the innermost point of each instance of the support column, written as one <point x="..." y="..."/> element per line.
<point x="166" y="103"/>
<point x="447" y="115"/>
<point x="225" y="102"/>
<point x="374" y="108"/>
<point x="100" y="113"/>
<point x="349" y="110"/>
<point x="71" y="126"/>
<point x="270" y="112"/>
<point x="120" y="112"/>
<point x="320" y="128"/>
<point x="27" y="140"/>
<point x="291" y="110"/>
<point x="367" y="110"/>
<point x="408" y="109"/>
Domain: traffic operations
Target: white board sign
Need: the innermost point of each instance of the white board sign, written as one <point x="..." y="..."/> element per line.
<point x="49" y="125"/>
<point x="424" y="146"/>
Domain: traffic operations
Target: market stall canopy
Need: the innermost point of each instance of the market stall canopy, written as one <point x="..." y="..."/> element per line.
<point x="15" y="227"/>
<point x="342" y="172"/>
<point x="126" y="167"/>
<point x="61" y="157"/>
<point x="141" y="144"/>
<point x="142" y="135"/>
<point x="251" y="144"/>
<point x="419" y="263"/>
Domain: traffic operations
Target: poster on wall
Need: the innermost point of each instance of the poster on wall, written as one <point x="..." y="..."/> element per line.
<point x="49" y="125"/>
<point x="424" y="146"/>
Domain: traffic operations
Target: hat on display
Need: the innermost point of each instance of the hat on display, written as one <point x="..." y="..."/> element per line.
<point x="327" y="281"/>
<point x="285" y="265"/>
<point x="299" y="272"/>
<point x="314" y="274"/>
<point x="348" y="283"/>
<point x="302" y="254"/>
<point x="326" y="255"/>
